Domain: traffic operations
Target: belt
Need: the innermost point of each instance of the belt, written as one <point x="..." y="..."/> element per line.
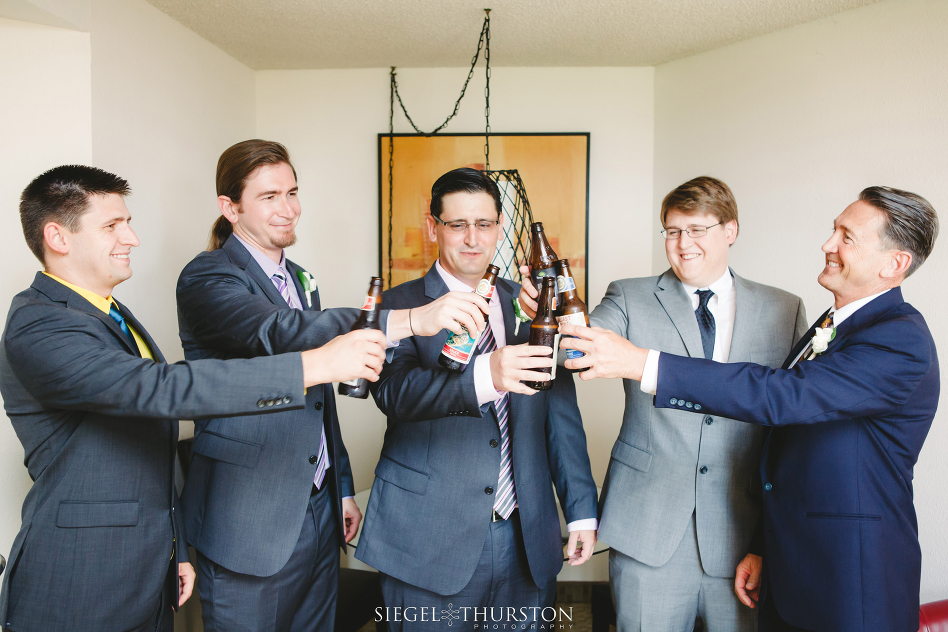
<point x="496" y="517"/>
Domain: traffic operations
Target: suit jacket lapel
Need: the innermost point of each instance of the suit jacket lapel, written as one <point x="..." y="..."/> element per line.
<point x="293" y="270"/>
<point x="802" y="342"/>
<point x="677" y="304"/>
<point x="746" y="314"/>
<point x="241" y="257"/>
<point x="155" y="351"/>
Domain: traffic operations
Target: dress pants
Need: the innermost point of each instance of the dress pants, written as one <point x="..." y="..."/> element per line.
<point x="669" y="598"/>
<point x="501" y="580"/>
<point x="300" y="597"/>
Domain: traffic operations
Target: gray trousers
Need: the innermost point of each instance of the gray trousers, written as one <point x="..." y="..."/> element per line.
<point x="501" y="581"/>
<point x="300" y="597"/>
<point x="671" y="597"/>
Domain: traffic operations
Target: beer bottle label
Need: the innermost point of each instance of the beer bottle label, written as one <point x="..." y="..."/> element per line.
<point x="536" y="275"/>
<point x="565" y="284"/>
<point x="556" y="350"/>
<point x="369" y="303"/>
<point x="578" y="319"/>
<point x="485" y="289"/>
<point x="460" y="347"/>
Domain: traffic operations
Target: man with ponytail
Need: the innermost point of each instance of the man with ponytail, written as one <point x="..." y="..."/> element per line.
<point x="267" y="506"/>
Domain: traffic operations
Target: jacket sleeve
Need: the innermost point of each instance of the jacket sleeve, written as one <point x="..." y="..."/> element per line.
<point x="408" y="391"/>
<point x="69" y="361"/>
<point x="216" y="303"/>
<point x="567" y="452"/>
<point x="871" y="374"/>
<point x="610" y="313"/>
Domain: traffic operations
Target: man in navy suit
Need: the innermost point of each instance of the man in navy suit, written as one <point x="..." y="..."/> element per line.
<point x="462" y="515"/>
<point x="268" y="506"/>
<point x="95" y="406"/>
<point x="848" y="413"/>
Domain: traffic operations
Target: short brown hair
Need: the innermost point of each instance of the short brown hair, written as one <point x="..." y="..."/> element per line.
<point x="911" y="223"/>
<point x="61" y="195"/>
<point x="234" y="167"/>
<point x="703" y="194"/>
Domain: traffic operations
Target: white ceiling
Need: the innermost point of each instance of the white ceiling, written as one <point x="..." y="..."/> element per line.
<point x="294" y="34"/>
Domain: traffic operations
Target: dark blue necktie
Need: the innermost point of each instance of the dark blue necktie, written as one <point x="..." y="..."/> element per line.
<point x="117" y="317"/>
<point x="705" y="322"/>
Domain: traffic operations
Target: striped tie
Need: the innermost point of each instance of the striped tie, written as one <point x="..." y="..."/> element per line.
<point x="322" y="458"/>
<point x="506" y="498"/>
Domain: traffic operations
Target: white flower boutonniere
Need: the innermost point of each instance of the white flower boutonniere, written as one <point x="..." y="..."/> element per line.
<point x="308" y="283"/>
<point x="821" y="339"/>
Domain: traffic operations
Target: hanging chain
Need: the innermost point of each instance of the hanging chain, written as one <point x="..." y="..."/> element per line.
<point x="391" y="164"/>
<point x="487" y="91"/>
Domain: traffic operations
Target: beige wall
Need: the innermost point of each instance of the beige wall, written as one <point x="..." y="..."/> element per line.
<point x="799" y="122"/>
<point x="330" y="119"/>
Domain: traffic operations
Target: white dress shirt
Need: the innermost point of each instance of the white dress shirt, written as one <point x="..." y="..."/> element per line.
<point x="483" y="382"/>
<point x="722" y="306"/>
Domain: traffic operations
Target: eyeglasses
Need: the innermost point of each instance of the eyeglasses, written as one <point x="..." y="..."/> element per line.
<point x="693" y="231"/>
<point x="460" y="226"/>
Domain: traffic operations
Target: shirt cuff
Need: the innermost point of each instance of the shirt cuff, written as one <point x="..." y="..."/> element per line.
<point x="483" y="382"/>
<point x="389" y="343"/>
<point x="649" y="383"/>
<point x="589" y="524"/>
<point x="344" y="497"/>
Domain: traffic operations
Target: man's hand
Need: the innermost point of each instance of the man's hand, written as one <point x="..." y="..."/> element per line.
<point x="587" y="541"/>
<point x="747" y="579"/>
<point x="528" y="293"/>
<point x="351" y="517"/>
<point x="353" y="355"/>
<point x="447" y="312"/>
<point x="186" y="577"/>
<point x="607" y="353"/>
<point x="509" y="367"/>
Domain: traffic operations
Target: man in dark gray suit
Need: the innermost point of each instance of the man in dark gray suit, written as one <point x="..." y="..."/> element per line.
<point x="95" y="406"/>
<point x="682" y="495"/>
<point x="462" y="519"/>
<point x="268" y="506"/>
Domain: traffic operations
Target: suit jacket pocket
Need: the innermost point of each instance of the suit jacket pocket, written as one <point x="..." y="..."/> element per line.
<point x="226" y="449"/>
<point x="77" y="514"/>
<point x="401" y="476"/>
<point x="842" y="516"/>
<point x="634" y="457"/>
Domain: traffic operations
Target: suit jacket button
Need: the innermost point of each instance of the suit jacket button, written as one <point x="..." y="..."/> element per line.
<point x="493" y="443"/>
<point x="488" y="490"/>
<point x="261" y="403"/>
<point x="673" y="401"/>
<point x="704" y="469"/>
<point x="708" y="420"/>
<point x="688" y="404"/>
<point x="768" y="487"/>
<point x="318" y="406"/>
<point x="287" y="399"/>
<point x="269" y="402"/>
<point x="313" y="459"/>
<point x="697" y="406"/>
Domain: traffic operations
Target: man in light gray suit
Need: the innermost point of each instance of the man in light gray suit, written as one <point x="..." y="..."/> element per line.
<point x="682" y="497"/>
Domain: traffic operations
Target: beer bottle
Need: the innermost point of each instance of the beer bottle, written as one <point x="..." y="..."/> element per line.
<point x="544" y="330"/>
<point x="459" y="348"/>
<point x="542" y="256"/>
<point x="368" y="319"/>
<point x="571" y="310"/>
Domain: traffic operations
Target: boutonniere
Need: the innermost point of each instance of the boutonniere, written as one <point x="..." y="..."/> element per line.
<point x="821" y="339"/>
<point x="308" y="283"/>
<point x="519" y="315"/>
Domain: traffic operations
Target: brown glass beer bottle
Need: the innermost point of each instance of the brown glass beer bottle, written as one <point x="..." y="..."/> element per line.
<point x="542" y="256"/>
<point x="544" y="330"/>
<point x="459" y="348"/>
<point x="368" y="319"/>
<point x="570" y="310"/>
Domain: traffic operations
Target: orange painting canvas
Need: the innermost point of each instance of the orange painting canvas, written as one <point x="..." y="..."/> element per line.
<point x="554" y="169"/>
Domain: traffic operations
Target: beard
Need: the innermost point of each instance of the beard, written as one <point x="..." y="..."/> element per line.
<point x="286" y="240"/>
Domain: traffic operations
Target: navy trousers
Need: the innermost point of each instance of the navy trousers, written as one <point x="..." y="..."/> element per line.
<point x="502" y="590"/>
<point x="300" y="597"/>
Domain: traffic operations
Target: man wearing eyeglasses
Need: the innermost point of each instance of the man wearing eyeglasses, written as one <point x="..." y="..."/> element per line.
<point x="682" y="495"/>
<point x="462" y="516"/>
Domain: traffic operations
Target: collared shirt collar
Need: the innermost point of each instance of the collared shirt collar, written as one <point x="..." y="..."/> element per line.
<point x="844" y="312"/>
<point x="721" y="287"/>
<point x="98" y="301"/>
<point x="266" y="263"/>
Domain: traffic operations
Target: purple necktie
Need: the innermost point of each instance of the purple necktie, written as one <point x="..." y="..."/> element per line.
<point x="506" y="498"/>
<point x="322" y="459"/>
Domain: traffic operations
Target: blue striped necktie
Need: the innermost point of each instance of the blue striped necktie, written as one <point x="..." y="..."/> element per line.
<point x="322" y="458"/>
<point x="506" y="498"/>
<point x="117" y="317"/>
